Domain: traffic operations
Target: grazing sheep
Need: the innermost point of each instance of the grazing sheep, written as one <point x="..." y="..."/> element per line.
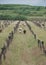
<point x="24" y="31"/>
<point x="20" y="30"/>
<point x="43" y="25"/>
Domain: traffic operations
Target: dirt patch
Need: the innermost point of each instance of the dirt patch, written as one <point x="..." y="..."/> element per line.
<point x="38" y="56"/>
<point x="36" y="51"/>
<point x="26" y="57"/>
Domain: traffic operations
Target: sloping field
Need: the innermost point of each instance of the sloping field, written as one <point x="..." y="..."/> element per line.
<point x="4" y="34"/>
<point x="21" y="12"/>
<point x="40" y="32"/>
<point x="24" y="48"/>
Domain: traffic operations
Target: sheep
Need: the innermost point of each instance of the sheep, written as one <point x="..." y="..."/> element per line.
<point x="43" y="25"/>
<point x="24" y="31"/>
<point x="20" y="30"/>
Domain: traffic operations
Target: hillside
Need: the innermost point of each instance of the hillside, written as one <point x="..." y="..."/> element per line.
<point x="21" y="12"/>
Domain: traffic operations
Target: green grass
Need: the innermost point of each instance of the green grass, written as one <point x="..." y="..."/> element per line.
<point x="5" y="34"/>
<point x="40" y="32"/>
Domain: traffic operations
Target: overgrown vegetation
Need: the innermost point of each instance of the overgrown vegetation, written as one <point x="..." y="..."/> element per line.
<point x="21" y="12"/>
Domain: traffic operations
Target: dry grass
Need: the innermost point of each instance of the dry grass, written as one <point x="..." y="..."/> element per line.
<point x="23" y="49"/>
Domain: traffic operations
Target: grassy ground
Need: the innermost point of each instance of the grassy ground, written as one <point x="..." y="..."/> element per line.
<point x="5" y="33"/>
<point x="40" y="32"/>
<point x="24" y="50"/>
